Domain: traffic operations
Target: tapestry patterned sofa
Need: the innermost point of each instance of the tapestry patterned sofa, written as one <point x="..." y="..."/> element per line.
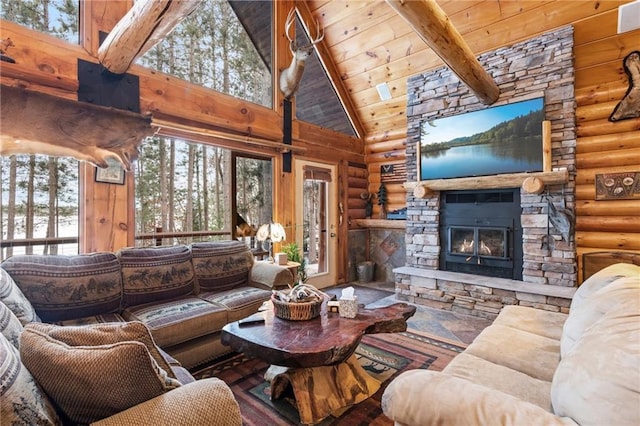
<point x="183" y="294"/>
<point x="532" y="367"/>
<point x="82" y="337"/>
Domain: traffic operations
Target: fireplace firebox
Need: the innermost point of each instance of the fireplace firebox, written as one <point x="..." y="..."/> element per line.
<point x="481" y="233"/>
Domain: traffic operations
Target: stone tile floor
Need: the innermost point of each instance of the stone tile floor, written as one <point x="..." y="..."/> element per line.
<point x="446" y="324"/>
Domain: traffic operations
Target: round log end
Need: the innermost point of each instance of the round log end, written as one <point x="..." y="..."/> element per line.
<point x="422" y="191"/>
<point x="533" y="185"/>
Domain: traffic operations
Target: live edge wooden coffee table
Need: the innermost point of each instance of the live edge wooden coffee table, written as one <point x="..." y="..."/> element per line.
<point x="315" y="357"/>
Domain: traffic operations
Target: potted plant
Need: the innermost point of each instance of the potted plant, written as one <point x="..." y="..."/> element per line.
<point x="294" y="254"/>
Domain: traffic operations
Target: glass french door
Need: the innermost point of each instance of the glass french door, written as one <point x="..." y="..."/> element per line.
<point x="316" y="214"/>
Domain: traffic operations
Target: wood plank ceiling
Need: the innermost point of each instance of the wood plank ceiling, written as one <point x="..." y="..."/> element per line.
<point x="369" y="43"/>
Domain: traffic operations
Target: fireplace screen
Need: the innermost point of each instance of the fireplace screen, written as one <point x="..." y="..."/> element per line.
<point x="485" y="242"/>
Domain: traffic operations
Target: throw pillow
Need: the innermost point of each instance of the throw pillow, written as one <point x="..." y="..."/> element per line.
<point x="12" y="296"/>
<point x="94" y="372"/>
<point x="10" y="325"/>
<point x="22" y="401"/>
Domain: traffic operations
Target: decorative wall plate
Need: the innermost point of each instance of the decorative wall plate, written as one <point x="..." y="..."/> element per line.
<point x="618" y="186"/>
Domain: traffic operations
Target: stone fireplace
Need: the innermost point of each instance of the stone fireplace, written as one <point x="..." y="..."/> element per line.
<point x="475" y="257"/>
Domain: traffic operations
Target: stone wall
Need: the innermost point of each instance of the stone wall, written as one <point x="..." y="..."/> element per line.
<point x="384" y="247"/>
<point x="540" y="67"/>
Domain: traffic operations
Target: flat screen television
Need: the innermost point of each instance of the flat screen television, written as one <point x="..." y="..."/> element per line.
<point x="496" y="140"/>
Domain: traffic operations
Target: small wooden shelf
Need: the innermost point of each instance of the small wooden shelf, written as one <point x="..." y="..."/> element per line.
<point x="378" y="223"/>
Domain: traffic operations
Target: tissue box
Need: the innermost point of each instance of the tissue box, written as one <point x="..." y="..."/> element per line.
<point x="348" y="307"/>
<point x="281" y="259"/>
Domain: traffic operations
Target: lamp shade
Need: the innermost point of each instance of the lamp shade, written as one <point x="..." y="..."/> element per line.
<point x="272" y="231"/>
<point x="277" y="232"/>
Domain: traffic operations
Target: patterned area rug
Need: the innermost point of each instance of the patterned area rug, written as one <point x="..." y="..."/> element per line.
<point x="384" y="356"/>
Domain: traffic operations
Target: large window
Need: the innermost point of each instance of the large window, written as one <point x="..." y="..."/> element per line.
<point x="55" y="17"/>
<point x="184" y="191"/>
<point x="211" y="48"/>
<point x="38" y="205"/>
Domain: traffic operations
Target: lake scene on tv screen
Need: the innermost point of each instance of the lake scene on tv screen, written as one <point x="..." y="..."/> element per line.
<point x="496" y="140"/>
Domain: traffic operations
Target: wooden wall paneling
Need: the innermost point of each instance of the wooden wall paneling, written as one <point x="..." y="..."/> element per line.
<point x="609" y="49"/>
<point x="382" y="146"/>
<point x="604" y="126"/>
<point x="326" y="139"/>
<point x="611" y="73"/>
<point x="584" y="32"/>
<point x="605" y="223"/>
<point x="599" y="93"/>
<point x="616" y="158"/>
<point x="109" y="222"/>
<point x="356" y="185"/>
<point x="609" y="240"/>
<point x="595" y="111"/>
<point x="609" y="142"/>
<point x="607" y="208"/>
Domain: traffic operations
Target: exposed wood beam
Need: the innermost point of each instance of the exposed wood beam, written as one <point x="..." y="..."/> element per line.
<point x="332" y="71"/>
<point x="144" y="25"/>
<point x="433" y="26"/>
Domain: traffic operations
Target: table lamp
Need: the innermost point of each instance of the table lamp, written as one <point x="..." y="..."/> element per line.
<point x="270" y="233"/>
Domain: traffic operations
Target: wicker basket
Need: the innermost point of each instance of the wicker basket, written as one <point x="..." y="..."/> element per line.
<point x="296" y="311"/>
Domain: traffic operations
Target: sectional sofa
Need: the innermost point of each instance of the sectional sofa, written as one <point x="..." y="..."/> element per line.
<point x="532" y="367"/>
<point x="89" y="339"/>
<point x="183" y="294"/>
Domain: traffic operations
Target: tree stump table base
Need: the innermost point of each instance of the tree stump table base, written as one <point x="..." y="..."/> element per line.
<point x="320" y="391"/>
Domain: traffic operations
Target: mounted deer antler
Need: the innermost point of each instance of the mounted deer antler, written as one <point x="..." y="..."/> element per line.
<point x="290" y="77"/>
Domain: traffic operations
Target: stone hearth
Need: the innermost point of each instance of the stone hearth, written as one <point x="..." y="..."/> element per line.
<point x="540" y="67"/>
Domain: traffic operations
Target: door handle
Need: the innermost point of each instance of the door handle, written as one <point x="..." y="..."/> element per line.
<point x="333" y="235"/>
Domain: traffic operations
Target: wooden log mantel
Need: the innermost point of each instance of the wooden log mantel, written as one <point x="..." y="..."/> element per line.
<point x="510" y="180"/>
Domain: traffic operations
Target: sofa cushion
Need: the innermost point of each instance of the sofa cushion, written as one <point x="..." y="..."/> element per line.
<point x="501" y="378"/>
<point x="606" y="299"/>
<point x="10" y="325"/>
<point x="65" y="287"/>
<point x="536" y="321"/>
<point x="513" y="348"/>
<point x="598" y="380"/>
<point x="176" y="321"/>
<point x="22" y="401"/>
<point x="240" y="302"/>
<point x="151" y="274"/>
<point x="14" y="298"/>
<point x="221" y="265"/>
<point x="93" y="372"/>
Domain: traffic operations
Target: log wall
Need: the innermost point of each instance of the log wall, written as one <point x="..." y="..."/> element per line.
<point x="603" y="146"/>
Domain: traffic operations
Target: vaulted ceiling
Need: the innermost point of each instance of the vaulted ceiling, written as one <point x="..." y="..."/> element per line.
<point x="366" y="43"/>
